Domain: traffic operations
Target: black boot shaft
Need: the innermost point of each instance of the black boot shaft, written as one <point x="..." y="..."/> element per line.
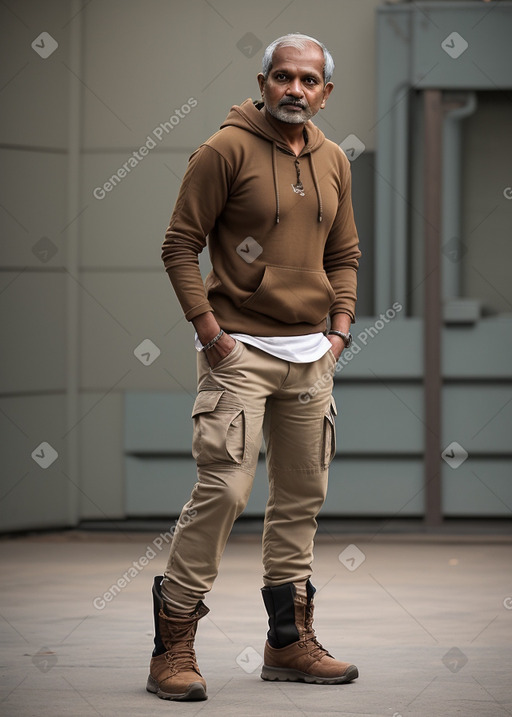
<point x="159" y="648"/>
<point x="280" y="605"/>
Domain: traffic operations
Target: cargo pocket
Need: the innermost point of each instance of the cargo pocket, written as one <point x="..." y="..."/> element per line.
<point x="219" y="428"/>
<point x="329" y="437"/>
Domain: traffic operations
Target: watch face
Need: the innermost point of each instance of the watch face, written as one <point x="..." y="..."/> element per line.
<point x="349" y="340"/>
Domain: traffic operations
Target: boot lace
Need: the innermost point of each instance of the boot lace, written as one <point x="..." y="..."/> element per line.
<point x="309" y="641"/>
<point x="181" y="657"/>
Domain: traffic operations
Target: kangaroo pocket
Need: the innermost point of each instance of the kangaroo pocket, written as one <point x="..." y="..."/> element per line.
<point x="292" y="296"/>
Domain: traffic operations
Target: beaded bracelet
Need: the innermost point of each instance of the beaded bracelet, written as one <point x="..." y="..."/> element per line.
<point x="213" y="341"/>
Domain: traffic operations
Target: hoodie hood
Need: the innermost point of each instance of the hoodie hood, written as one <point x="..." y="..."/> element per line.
<point x="249" y="117"/>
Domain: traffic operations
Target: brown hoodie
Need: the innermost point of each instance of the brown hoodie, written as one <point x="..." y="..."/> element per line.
<point x="282" y="258"/>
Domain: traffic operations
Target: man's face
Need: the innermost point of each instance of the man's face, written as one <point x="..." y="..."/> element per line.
<point x="294" y="90"/>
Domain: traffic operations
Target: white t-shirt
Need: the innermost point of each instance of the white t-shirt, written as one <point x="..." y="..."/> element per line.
<point x="297" y="349"/>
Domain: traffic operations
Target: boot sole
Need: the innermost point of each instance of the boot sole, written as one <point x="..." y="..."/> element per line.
<point x="284" y="674"/>
<point x="195" y="692"/>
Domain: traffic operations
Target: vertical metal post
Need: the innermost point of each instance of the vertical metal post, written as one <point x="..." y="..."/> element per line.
<point x="432" y="322"/>
<point x="72" y="263"/>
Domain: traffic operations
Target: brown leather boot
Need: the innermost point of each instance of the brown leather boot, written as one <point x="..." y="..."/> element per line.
<point x="292" y="652"/>
<point x="173" y="670"/>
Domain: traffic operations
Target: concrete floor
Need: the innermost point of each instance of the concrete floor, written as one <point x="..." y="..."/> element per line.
<point x="428" y="621"/>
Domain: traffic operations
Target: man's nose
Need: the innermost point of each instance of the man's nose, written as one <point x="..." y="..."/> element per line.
<point x="295" y="88"/>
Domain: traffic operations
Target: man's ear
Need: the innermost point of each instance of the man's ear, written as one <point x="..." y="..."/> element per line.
<point x="327" y="91"/>
<point x="261" y="82"/>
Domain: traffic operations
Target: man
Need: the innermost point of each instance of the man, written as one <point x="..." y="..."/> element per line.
<point x="273" y="197"/>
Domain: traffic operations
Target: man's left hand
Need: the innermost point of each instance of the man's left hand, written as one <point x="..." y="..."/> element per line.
<point x="337" y="345"/>
<point x="339" y="322"/>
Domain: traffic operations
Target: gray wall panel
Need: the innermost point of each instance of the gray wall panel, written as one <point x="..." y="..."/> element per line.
<point x="33" y="134"/>
<point x="161" y="486"/>
<point x="383" y="350"/>
<point x="126" y="228"/>
<point x="379" y="419"/>
<point x="478" y="417"/>
<point x="487" y="212"/>
<point x="477" y="30"/>
<point x="158" y="486"/>
<point x="101" y="456"/>
<point x="479" y="487"/>
<point x="34" y="494"/>
<point x="32" y="313"/>
<point x="33" y="189"/>
<point x="34" y="89"/>
<point x="172" y="37"/>
<point x="383" y="486"/>
<point x="482" y="350"/>
<point x="119" y="310"/>
<point x="157" y="422"/>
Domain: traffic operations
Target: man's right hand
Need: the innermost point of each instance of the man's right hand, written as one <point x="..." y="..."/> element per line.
<point x="207" y="328"/>
<point x="220" y="349"/>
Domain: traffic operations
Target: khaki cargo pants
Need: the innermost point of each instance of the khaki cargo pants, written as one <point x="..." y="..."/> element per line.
<point x="251" y="394"/>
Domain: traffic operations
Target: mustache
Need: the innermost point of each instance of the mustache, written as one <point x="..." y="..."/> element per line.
<point x="295" y="103"/>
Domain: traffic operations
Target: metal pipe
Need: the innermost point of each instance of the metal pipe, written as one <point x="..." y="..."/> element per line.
<point x="72" y="262"/>
<point x="399" y="249"/>
<point x="451" y="229"/>
<point x="433" y="137"/>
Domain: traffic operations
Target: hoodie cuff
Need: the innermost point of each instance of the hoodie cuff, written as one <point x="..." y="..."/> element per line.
<point x="196" y="310"/>
<point x="347" y="311"/>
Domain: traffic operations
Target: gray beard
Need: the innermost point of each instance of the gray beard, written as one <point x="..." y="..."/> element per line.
<point x="280" y="112"/>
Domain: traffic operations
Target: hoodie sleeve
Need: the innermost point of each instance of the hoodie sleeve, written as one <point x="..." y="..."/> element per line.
<point x="203" y="194"/>
<point x="342" y="253"/>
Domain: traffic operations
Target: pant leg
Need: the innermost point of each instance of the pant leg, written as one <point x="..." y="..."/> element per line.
<point x="228" y="416"/>
<point x="300" y="439"/>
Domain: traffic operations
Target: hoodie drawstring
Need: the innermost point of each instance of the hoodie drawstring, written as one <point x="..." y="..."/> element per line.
<point x="276" y="183"/>
<point x="317" y="188"/>
<point x="299" y="183"/>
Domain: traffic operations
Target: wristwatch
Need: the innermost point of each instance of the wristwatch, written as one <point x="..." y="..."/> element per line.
<point x="347" y="338"/>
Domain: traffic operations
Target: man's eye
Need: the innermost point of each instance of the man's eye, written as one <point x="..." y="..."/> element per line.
<point x="311" y="81"/>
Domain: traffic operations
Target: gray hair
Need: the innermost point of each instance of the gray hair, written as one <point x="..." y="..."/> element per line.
<point x="299" y="41"/>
